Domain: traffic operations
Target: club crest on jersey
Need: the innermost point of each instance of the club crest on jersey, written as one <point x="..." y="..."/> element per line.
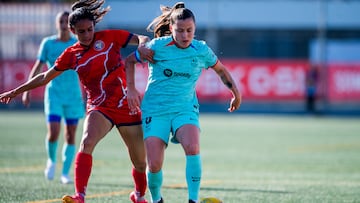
<point x="99" y="45"/>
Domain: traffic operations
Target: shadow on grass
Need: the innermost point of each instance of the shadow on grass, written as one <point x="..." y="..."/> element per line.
<point x="182" y="187"/>
<point x="230" y="189"/>
<point x="244" y="190"/>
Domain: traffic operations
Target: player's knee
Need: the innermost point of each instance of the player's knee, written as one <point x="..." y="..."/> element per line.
<point x="191" y="149"/>
<point x="140" y="166"/>
<point x="154" y="166"/>
<point x="87" y="145"/>
<point x="70" y="138"/>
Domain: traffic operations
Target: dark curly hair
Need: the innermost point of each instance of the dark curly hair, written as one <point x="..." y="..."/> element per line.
<point x="87" y="9"/>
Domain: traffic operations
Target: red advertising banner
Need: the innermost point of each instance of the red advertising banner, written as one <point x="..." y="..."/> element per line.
<point x="344" y="82"/>
<point x="258" y="80"/>
<point x="13" y="73"/>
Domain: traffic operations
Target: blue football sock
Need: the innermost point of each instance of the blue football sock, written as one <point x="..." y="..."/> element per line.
<point x="51" y="148"/>
<point x="193" y="175"/>
<point x="155" y="182"/>
<point x="68" y="153"/>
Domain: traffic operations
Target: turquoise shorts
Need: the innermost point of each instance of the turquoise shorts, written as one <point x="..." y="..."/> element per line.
<point x="74" y="110"/>
<point x="162" y="126"/>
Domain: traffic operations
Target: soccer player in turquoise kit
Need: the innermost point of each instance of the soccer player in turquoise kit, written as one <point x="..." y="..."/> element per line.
<point x="170" y="104"/>
<point x="62" y="99"/>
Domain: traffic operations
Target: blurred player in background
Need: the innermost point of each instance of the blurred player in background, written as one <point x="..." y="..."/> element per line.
<point x="62" y="99"/>
<point x="312" y="79"/>
<point x="170" y="104"/>
<point x="97" y="60"/>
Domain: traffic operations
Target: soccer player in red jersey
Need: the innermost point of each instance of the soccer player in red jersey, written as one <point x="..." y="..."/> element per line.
<point x="97" y="60"/>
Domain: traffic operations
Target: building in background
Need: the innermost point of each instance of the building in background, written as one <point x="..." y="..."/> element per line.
<point x="268" y="45"/>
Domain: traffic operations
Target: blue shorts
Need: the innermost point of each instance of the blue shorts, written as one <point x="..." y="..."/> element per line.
<point x="162" y="126"/>
<point x="57" y="119"/>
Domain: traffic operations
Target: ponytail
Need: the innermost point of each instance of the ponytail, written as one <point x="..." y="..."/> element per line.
<point x="160" y="26"/>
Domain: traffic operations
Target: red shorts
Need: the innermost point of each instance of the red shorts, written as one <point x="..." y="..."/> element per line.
<point x="119" y="116"/>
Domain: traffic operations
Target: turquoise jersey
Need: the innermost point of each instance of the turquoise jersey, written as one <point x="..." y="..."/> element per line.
<point x="172" y="78"/>
<point x="65" y="88"/>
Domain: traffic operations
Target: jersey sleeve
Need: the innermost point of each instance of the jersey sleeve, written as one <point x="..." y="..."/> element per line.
<point x="42" y="52"/>
<point x="210" y="59"/>
<point x="151" y="44"/>
<point x="65" y="61"/>
<point x="122" y="37"/>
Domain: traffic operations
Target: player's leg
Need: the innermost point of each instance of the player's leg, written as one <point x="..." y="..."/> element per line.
<point x="53" y="112"/>
<point x="133" y="139"/>
<point x="188" y="134"/>
<point x="53" y="124"/>
<point x="69" y="148"/>
<point x="72" y="114"/>
<point x="96" y="126"/>
<point x="156" y="136"/>
<point x="155" y="150"/>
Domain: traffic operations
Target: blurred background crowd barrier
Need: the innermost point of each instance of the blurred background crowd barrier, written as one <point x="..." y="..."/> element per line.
<point x="293" y="56"/>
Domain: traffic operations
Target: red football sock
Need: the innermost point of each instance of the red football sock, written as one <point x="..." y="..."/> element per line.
<point x="83" y="165"/>
<point x="140" y="181"/>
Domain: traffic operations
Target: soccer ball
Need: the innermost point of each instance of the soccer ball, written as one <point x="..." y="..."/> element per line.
<point x="210" y="200"/>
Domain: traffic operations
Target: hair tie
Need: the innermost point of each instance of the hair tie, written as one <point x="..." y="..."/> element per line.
<point x="180" y="5"/>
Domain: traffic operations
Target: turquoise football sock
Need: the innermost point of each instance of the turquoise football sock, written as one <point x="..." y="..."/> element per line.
<point x="68" y="153"/>
<point x="193" y="175"/>
<point x="155" y="182"/>
<point x="51" y="148"/>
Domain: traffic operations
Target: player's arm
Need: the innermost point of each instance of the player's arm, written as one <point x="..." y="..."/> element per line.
<point x="145" y="54"/>
<point x="226" y="78"/>
<point x="133" y="95"/>
<point x="139" y="40"/>
<point x="37" y="81"/>
<point x="36" y="69"/>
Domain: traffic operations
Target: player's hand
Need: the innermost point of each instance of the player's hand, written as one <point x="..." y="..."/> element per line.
<point x="146" y="54"/>
<point x="134" y="99"/>
<point x="7" y="96"/>
<point x="26" y="99"/>
<point x="234" y="104"/>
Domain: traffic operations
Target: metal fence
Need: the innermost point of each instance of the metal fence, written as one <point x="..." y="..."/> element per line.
<point x="22" y="26"/>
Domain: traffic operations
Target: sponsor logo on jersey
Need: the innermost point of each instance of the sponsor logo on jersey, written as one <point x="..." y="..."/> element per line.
<point x="169" y="73"/>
